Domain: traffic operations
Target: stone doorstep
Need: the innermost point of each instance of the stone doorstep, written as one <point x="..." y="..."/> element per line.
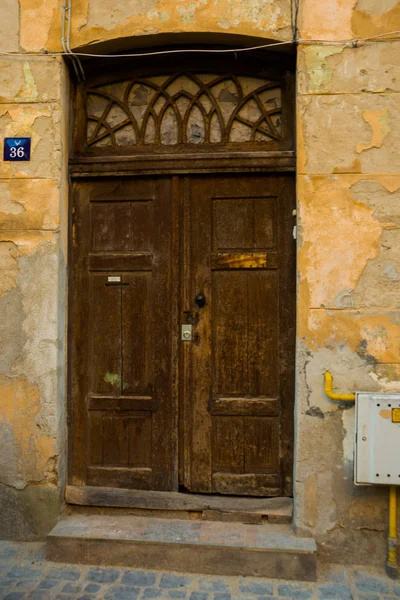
<point x="182" y="505"/>
<point x="210" y="547"/>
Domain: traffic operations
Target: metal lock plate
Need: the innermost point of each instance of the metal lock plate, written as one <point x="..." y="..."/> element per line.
<point x="396" y="415"/>
<point x="186" y="334"/>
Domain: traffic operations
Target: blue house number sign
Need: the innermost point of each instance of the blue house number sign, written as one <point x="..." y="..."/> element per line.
<point x="17" y="149"/>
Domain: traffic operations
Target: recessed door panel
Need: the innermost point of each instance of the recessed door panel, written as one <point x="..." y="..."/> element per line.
<point x="122" y="331"/>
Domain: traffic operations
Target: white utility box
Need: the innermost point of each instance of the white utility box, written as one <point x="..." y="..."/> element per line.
<point x="377" y="440"/>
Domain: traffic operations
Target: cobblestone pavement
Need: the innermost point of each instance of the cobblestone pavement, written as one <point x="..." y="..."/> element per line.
<point x="25" y="574"/>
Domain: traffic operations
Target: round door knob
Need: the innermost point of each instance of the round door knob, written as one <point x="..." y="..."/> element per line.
<point x="200" y="300"/>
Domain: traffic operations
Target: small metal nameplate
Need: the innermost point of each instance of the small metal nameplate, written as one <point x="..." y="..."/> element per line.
<point x="17" y="149"/>
<point x="113" y="279"/>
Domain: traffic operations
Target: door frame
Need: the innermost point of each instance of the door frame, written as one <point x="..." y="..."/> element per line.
<point x="172" y="161"/>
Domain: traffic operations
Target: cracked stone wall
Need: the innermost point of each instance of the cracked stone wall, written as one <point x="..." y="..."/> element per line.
<point x="32" y="291"/>
<point x="348" y="262"/>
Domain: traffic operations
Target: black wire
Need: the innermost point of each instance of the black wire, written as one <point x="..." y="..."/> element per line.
<point x="295" y="15"/>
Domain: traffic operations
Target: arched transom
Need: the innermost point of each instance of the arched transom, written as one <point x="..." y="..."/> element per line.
<point x="184" y="108"/>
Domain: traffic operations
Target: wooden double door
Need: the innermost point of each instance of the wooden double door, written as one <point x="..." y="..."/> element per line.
<point x="150" y="409"/>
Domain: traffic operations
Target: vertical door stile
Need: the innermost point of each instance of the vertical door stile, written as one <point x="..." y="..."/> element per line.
<point x="185" y="411"/>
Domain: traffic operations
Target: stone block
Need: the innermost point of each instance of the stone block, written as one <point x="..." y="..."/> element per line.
<point x="103" y="575"/>
<point x="29" y="513"/>
<point x="333" y="591"/>
<point x="368" y="584"/>
<point x="341" y="70"/>
<point x="348" y="133"/>
<point x="29" y="204"/>
<point x="121" y="593"/>
<point x="40" y="25"/>
<point x="9" y="26"/>
<point x="315" y="24"/>
<point x="139" y="578"/>
<point x="174" y="581"/>
<point x="30" y="79"/>
<point x="64" y="573"/>
<point x="293" y="592"/>
<point x="150" y="593"/>
<point x="256" y="588"/>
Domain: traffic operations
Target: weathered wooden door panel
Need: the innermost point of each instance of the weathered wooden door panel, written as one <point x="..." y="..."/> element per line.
<point x="123" y="424"/>
<point x="239" y="403"/>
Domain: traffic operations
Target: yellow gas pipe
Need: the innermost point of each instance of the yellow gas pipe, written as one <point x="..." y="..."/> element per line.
<point x="391" y="564"/>
<point x="332" y="395"/>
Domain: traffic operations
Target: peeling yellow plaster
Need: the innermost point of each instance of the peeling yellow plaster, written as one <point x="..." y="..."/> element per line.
<point x="40" y="25"/>
<point x="19" y="406"/>
<point x="265" y="18"/>
<point x="379" y="122"/>
<point x="319" y="70"/>
<point x="29" y="204"/>
<point x="338" y="237"/>
<point x="29" y="90"/>
<point x="377" y="332"/>
<point x="330" y="19"/>
<point x="365" y="22"/>
<point x="14" y="245"/>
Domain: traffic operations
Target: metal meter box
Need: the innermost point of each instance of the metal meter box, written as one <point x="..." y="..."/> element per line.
<point x="377" y="441"/>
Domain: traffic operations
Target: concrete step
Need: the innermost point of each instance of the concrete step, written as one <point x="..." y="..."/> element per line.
<point x="211" y="547"/>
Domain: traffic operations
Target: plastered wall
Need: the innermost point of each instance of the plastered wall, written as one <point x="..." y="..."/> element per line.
<point x="348" y="261"/>
<point x="32" y="288"/>
<point x="349" y="247"/>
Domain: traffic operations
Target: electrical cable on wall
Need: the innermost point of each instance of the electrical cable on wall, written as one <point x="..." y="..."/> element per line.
<point x="350" y="43"/>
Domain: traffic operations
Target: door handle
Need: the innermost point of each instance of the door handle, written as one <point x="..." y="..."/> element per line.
<point x="200" y="300"/>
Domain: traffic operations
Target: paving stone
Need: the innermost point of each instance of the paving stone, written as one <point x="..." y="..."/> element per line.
<point x="177" y="594"/>
<point x="72" y="588"/>
<point x="254" y="587"/>
<point x="103" y="575"/>
<point x="6" y="553"/>
<point x="15" y="596"/>
<point x="25" y="584"/>
<point x="92" y="588"/>
<point x="371" y="584"/>
<point x="369" y="597"/>
<point x="295" y="591"/>
<point x="153" y="593"/>
<point x="222" y="596"/>
<point x="331" y="591"/>
<point x="333" y="574"/>
<point x="174" y="581"/>
<point x="122" y="593"/>
<point x="139" y="578"/>
<point x="64" y="573"/>
<point x="18" y="572"/>
<point x="199" y="596"/>
<point x="396" y="589"/>
<point x="86" y="597"/>
<point x="48" y="584"/>
<point x="4" y="582"/>
<point x="213" y="585"/>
